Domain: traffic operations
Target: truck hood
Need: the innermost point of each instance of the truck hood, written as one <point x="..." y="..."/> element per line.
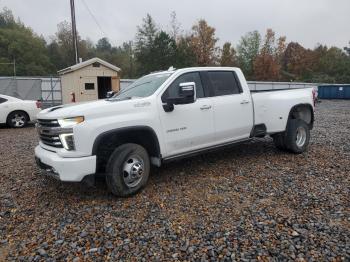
<point x="90" y="109"/>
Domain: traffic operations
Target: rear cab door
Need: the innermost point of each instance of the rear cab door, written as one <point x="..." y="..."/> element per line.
<point x="190" y="126"/>
<point x="232" y="106"/>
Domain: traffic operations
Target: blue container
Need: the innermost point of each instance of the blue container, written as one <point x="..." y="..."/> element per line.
<point x="334" y="92"/>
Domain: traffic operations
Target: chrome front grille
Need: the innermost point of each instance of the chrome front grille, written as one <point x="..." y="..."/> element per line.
<point x="49" y="130"/>
<point x="48" y="123"/>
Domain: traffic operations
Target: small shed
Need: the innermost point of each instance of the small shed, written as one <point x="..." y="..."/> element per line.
<point x="334" y="91"/>
<point x="88" y="80"/>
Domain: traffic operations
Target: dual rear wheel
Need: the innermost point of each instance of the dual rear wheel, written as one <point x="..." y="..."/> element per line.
<point x="295" y="139"/>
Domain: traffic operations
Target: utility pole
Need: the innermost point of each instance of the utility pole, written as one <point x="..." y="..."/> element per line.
<point x="74" y="31"/>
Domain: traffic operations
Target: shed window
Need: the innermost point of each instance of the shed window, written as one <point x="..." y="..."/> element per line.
<point x="89" y="86"/>
<point x="96" y="64"/>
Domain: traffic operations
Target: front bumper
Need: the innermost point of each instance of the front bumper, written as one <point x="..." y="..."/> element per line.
<point x="65" y="169"/>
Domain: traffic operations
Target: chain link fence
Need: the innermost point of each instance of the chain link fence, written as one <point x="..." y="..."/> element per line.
<point x="46" y="89"/>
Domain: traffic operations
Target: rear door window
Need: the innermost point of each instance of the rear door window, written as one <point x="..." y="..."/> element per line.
<point x="223" y="83"/>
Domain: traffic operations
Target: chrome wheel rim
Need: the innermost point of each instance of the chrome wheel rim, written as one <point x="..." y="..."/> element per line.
<point x="18" y="120"/>
<point x="301" y="136"/>
<point x="133" y="170"/>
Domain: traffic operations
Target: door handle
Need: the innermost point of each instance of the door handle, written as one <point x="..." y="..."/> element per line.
<point x="205" y="107"/>
<point x="244" y="102"/>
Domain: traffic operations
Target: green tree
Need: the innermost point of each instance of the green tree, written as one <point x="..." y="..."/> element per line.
<point x="103" y="45"/>
<point x="163" y="51"/>
<point x="185" y="57"/>
<point x="333" y="66"/>
<point x="159" y="54"/>
<point x="64" y="38"/>
<point x="146" y="34"/>
<point x="123" y="56"/>
<point x="228" y="55"/>
<point x="20" y="43"/>
<point x="61" y="48"/>
<point x="145" y="37"/>
<point x="247" y="50"/>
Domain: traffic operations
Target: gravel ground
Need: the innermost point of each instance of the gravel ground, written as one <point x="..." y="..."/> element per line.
<point x="251" y="202"/>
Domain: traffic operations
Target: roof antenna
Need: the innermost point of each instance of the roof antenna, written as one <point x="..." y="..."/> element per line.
<point x="171" y="68"/>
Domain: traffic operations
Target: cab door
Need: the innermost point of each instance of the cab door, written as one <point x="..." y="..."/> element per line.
<point x="188" y="127"/>
<point x="88" y="88"/>
<point x="233" y="109"/>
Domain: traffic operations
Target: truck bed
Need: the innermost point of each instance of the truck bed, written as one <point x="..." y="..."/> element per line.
<point x="272" y="107"/>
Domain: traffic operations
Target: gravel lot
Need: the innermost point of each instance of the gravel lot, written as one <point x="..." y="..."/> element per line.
<point x="251" y="202"/>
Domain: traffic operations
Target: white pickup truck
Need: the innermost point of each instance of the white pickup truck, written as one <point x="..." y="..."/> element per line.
<point x="165" y="116"/>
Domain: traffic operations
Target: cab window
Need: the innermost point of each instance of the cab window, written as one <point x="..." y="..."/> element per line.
<point x="223" y="83"/>
<point x="173" y="89"/>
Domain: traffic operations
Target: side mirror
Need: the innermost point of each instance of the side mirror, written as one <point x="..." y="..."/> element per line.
<point x="110" y="94"/>
<point x="188" y="90"/>
<point x="187" y="95"/>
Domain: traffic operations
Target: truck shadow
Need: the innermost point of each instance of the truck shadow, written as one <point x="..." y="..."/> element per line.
<point x="257" y="148"/>
<point x="181" y="171"/>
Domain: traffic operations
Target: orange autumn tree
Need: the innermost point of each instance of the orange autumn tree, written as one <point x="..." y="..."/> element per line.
<point x="298" y="61"/>
<point x="203" y="43"/>
<point x="267" y="64"/>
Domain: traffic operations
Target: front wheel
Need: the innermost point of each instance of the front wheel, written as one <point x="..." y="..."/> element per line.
<point x="297" y="136"/>
<point x="127" y="170"/>
<point x="17" y="119"/>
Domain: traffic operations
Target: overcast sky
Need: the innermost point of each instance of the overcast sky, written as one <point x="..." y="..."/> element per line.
<point x="306" y="21"/>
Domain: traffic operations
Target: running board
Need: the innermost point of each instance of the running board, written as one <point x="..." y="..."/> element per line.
<point x="203" y="150"/>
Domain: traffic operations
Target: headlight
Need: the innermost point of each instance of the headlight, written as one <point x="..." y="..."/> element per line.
<point x="67" y="141"/>
<point x="70" y="122"/>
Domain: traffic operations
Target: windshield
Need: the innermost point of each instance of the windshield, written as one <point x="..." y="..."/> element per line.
<point x="143" y="87"/>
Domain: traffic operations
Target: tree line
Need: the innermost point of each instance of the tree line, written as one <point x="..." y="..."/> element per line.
<point x="262" y="58"/>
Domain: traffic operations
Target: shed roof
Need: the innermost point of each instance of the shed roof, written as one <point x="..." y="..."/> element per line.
<point x="87" y="63"/>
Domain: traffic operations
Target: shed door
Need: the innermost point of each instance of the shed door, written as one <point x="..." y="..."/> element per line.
<point x="88" y="88"/>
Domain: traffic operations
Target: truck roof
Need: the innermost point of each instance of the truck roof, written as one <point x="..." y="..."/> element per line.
<point x="201" y="68"/>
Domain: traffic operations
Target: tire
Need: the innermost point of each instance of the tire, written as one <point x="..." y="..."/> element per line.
<point x="297" y="136"/>
<point x="278" y="140"/>
<point x="127" y="170"/>
<point x="17" y="119"/>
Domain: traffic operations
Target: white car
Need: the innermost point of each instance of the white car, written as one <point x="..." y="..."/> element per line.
<point x="166" y="116"/>
<point x="16" y="112"/>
